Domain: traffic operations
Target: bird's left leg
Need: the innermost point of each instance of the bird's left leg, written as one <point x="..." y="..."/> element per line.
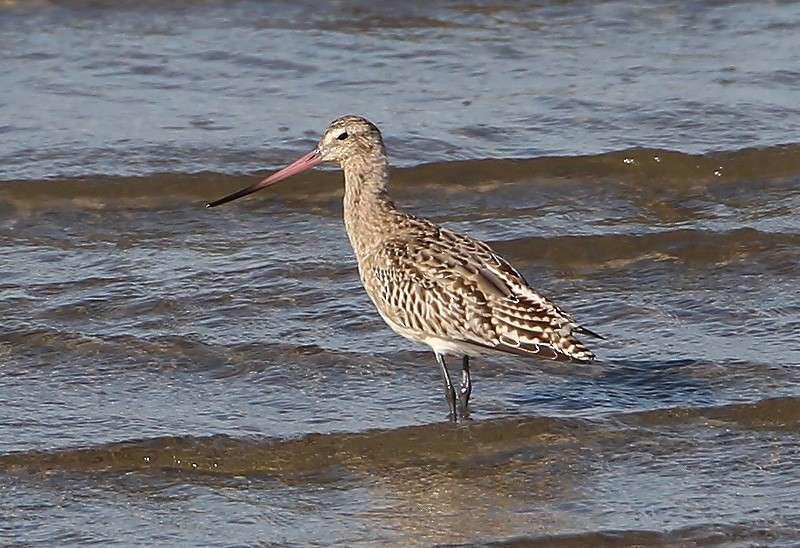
<point x="466" y="384"/>
<point x="449" y="391"/>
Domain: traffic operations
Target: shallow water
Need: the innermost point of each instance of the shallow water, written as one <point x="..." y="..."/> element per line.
<point x="176" y="375"/>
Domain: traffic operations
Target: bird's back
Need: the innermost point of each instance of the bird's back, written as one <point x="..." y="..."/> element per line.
<point x="454" y="293"/>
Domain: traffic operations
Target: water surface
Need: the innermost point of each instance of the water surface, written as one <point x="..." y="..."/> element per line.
<point x="177" y="375"/>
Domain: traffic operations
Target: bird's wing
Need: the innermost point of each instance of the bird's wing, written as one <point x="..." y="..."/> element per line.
<point x="440" y="283"/>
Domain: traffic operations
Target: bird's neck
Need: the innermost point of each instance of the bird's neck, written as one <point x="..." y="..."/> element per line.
<point x="368" y="211"/>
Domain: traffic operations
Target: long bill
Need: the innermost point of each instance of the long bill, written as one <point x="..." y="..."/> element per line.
<point x="312" y="159"/>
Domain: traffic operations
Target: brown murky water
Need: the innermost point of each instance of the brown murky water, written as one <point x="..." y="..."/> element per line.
<point x="174" y="375"/>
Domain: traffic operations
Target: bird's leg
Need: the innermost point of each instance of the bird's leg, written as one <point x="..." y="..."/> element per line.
<point x="449" y="391"/>
<point x="466" y="384"/>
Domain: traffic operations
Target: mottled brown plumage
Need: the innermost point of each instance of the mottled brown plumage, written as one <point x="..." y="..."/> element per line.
<point x="430" y="284"/>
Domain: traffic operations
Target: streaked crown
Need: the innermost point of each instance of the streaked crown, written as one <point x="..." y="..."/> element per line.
<point x="351" y="138"/>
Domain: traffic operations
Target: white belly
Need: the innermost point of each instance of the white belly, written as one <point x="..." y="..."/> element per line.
<point x="440" y="345"/>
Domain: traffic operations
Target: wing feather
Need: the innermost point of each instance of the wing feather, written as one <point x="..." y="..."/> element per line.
<point x="433" y="281"/>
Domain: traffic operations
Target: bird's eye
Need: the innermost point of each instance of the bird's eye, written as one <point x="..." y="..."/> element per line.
<point x="342" y="136"/>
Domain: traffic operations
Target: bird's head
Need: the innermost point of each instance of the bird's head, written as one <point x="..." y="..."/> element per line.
<point x="348" y="139"/>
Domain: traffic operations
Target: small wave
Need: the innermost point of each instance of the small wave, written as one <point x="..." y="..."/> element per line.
<point x="491" y="442"/>
<point x="315" y="453"/>
<point x="682" y="245"/>
<point x="646" y="168"/>
<point x="755" y="533"/>
<point x="774" y="414"/>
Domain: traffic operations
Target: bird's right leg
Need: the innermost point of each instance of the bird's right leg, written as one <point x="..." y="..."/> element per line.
<point x="466" y="384"/>
<point x="449" y="391"/>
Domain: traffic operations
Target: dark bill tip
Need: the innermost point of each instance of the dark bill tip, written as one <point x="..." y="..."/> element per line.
<point x="313" y="158"/>
<point x="231" y="197"/>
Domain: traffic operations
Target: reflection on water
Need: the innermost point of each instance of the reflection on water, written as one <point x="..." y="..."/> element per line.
<point x="523" y="476"/>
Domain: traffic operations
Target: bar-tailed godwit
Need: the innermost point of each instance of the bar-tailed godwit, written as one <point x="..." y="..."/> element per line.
<point x="430" y="284"/>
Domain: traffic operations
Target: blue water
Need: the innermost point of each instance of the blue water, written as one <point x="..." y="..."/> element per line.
<point x="183" y="376"/>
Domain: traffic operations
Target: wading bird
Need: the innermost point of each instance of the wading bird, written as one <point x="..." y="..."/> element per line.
<point x="430" y="284"/>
